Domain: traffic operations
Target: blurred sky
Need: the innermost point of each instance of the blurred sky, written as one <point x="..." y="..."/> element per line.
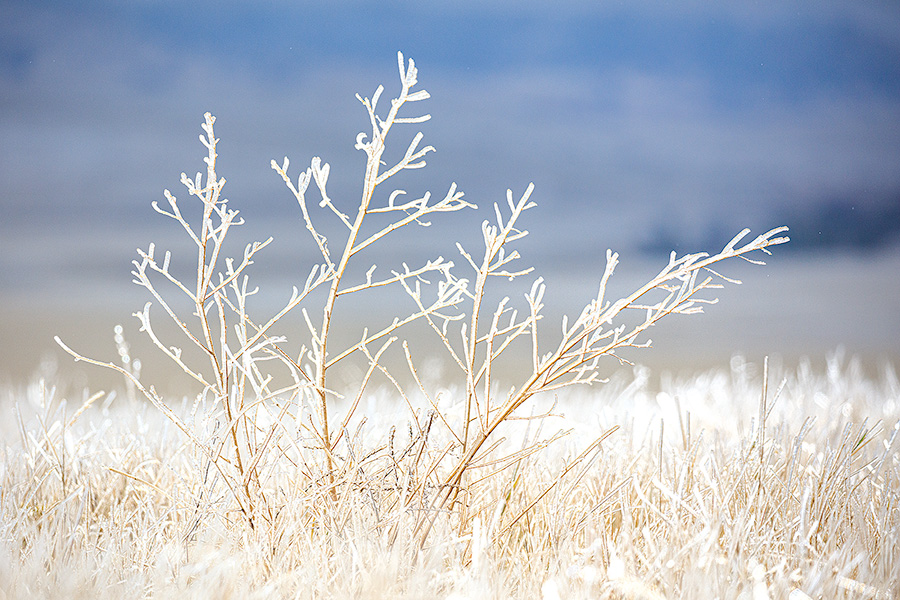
<point x="645" y="126"/>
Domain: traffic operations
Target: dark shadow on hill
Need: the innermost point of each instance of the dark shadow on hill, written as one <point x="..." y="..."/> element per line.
<point x="838" y="224"/>
<point x="846" y="224"/>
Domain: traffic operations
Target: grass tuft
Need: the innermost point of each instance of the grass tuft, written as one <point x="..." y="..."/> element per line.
<point x="279" y="480"/>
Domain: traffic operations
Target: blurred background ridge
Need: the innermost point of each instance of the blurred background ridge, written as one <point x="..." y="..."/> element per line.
<point x="645" y="127"/>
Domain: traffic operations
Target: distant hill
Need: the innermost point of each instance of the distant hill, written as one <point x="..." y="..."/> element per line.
<point x="838" y="224"/>
<point x="845" y="224"/>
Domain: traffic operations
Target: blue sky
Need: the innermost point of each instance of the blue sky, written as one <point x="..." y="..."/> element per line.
<point x="644" y="125"/>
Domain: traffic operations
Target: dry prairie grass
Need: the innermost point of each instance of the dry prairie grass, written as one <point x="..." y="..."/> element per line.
<point x="687" y="497"/>
<point x="282" y="478"/>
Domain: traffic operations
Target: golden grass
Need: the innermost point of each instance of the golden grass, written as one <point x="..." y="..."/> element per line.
<point x="686" y="497"/>
<point x="293" y="475"/>
<point x="266" y="402"/>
